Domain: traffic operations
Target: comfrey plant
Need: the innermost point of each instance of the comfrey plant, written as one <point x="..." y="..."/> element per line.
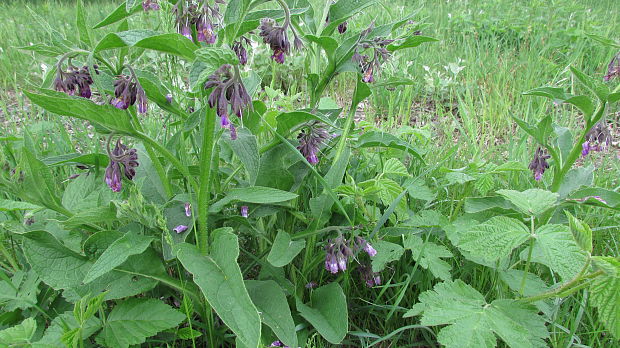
<point x="144" y="238"/>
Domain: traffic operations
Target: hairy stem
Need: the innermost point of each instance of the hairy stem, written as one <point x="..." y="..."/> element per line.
<point x="202" y="235"/>
<point x="529" y="255"/>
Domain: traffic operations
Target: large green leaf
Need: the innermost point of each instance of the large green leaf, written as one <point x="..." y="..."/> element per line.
<point x="386" y="253"/>
<point x="532" y="201"/>
<point x="605" y="293"/>
<point x="19" y="335"/>
<point x="118" y="14"/>
<point x="495" y="238"/>
<point x="254" y="194"/>
<point x="328" y="313"/>
<point x="284" y="250"/>
<point x="219" y="277"/>
<point x="20" y="291"/>
<point x="474" y="323"/>
<point x="171" y="43"/>
<point x="133" y="320"/>
<point x="343" y="10"/>
<point x="273" y="308"/>
<point x="429" y="255"/>
<point x="105" y="115"/>
<point x="556" y="248"/>
<point x="129" y="244"/>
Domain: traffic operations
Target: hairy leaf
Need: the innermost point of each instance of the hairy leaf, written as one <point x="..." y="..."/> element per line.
<point x="18" y="335"/>
<point x="328" y="313"/>
<point x="532" y="201"/>
<point x="284" y="250"/>
<point x="273" y="308"/>
<point x="386" y="253"/>
<point x="117" y="253"/>
<point x="606" y="293"/>
<point x="495" y="238"/>
<point x="429" y="255"/>
<point x="254" y="194"/>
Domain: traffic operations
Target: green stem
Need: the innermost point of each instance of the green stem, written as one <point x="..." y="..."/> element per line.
<point x="564" y="288"/>
<point x="206" y="156"/>
<point x="529" y="255"/>
<point x="347" y="128"/>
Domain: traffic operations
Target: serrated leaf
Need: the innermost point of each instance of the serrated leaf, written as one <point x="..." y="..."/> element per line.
<point x="386" y="253"/>
<point x="284" y="250"/>
<point x="581" y="232"/>
<point x="478" y="204"/>
<point x="133" y="320"/>
<point x="495" y="238"/>
<point x="429" y="255"/>
<point x="485" y="183"/>
<point x="394" y="166"/>
<point x="555" y="248"/>
<point x="19" y="335"/>
<point x="254" y="194"/>
<point x="274" y="311"/>
<point x="418" y="190"/>
<point x="129" y="244"/>
<point x="219" y="277"/>
<point x="532" y="201"/>
<point x="19" y="292"/>
<point x="328" y="313"/>
<point x="472" y="322"/>
<point x="533" y="286"/>
<point x="187" y="333"/>
<point x="63" y="323"/>
<point x="605" y="293"/>
<point x="389" y="190"/>
<point x="427" y="218"/>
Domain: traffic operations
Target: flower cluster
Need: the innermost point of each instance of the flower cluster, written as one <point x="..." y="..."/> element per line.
<point x="150" y="5"/>
<point x="128" y="91"/>
<point x="275" y="36"/>
<point x="228" y="90"/>
<point x="121" y="155"/>
<point x="613" y="69"/>
<point x="539" y="163"/>
<point x="362" y="244"/>
<point x="310" y="139"/>
<point x="369" y="65"/>
<point x="368" y="276"/>
<point x="597" y="139"/>
<point x="337" y="252"/>
<point x="240" y="50"/>
<point x="203" y="17"/>
<point x="74" y="81"/>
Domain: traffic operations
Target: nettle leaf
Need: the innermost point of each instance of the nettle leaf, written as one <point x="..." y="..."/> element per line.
<point x="479" y="204"/>
<point x="418" y="190"/>
<point x="533" y="286"/>
<point x="328" y="313"/>
<point x="284" y="250"/>
<point x="105" y="115"/>
<point x="66" y="322"/>
<point x="254" y="194"/>
<point x="472" y="322"/>
<point x="386" y="253"/>
<point x="133" y="320"/>
<point x="532" y="201"/>
<point x="273" y="308"/>
<point x="389" y="190"/>
<point x="120" y="13"/>
<point x="19" y="335"/>
<point x="495" y="238"/>
<point x="394" y="166"/>
<point x="429" y="255"/>
<point x="129" y="244"/>
<point x="605" y="293"/>
<point x="20" y="291"/>
<point x="220" y="279"/>
<point x="555" y="248"/>
<point x="581" y="232"/>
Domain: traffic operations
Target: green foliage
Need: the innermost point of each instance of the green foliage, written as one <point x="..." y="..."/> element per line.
<point x="328" y="312"/>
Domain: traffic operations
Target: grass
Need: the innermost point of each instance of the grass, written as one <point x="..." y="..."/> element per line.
<point x="468" y="86"/>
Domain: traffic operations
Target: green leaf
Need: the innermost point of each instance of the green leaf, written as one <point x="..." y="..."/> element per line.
<point x="429" y="255"/>
<point x="389" y="191"/>
<point x="44" y="50"/>
<point x="532" y="201"/>
<point x="80" y="21"/>
<point x="581" y="232"/>
<point x="95" y="159"/>
<point x="555" y="248"/>
<point x="613" y="97"/>
<point x="57" y="265"/>
<point x="19" y="292"/>
<point x="605" y="293"/>
<point x="117" y="15"/>
<point x="19" y="335"/>
<point x="209" y="59"/>
<point x="328" y="313"/>
<point x="478" y="204"/>
<point x="273" y="308"/>
<point x="394" y="166"/>
<point x="133" y="320"/>
<point x="418" y="190"/>
<point x="533" y="286"/>
<point x="254" y="194"/>
<point x="129" y="244"/>
<point x="343" y="10"/>
<point x="597" y="196"/>
<point x="8" y="205"/>
<point x="246" y="148"/>
<point x="129" y="4"/>
<point x="171" y="43"/>
<point x="106" y="115"/>
<point x="381" y="139"/>
<point x="66" y="322"/>
<point x="187" y="333"/>
<point x="474" y="323"/>
<point x="575" y="179"/>
<point x="284" y="250"/>
<point x="288" y="121"/>
<point x="495" y="238"/>
<point x="219" y="277"/>
<point x="411" y="41"/>
<point x="594" y="85"/>
<point x="386" y="253"/>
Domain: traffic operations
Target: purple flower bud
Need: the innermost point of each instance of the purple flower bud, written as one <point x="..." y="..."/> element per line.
<point x="368" y="276"/>
<point x="120" y="155"/>
<point x="142" y="101"/>
<point x="276" y="344"/>
<point x="311" y="285"/>
<point x="342" y="27"/>
<point x="342" y="261"/>
<point x="539" y="163"/>
<point x="310" y="140"/>
<point x="585" y="148"/>
<point x="186" y="31"/>
<point x="613" y="69"/>
<point x="188" y="209"/>
<point x="370" y="250"/>
<point x="180" y="229"/>
<point x="278" y="56"/>
<point x="244" y="211"/>
<point x="224" y="121"/>
<point x="233" y="132"/>
<point x="113" y="176"/>
<point x="150" y="5"/>
<point x="169" y="98"/>
<point x="368" y="77"/>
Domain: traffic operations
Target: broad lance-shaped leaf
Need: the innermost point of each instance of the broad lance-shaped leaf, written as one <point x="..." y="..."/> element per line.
<point x="171" y="43"/>
<point x="284" y="250"/>
<point x="386" y="253"/>
<point x="8" y="205"/>
<point x="495" y="238"/>
<point x="555" y="248"/>
<point x="117" y="253"/>
<point x="64" y="105"/>
<point x="220" y="279"/>
<point x="118" y="14"/>
<point x="133" y="320"/>
<point x="246" y="148"/>
<point x="474" y="323"/>
<point x="429" y="256"/>
<point x="532" y="201"/>
<point x="273" y="308"/>
<point x="328" y="313"/>
<point x="254" y="194"/>
<point x="605" y="293"/>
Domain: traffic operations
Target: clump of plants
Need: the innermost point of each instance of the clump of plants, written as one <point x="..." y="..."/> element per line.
<point x="252" y="226"/>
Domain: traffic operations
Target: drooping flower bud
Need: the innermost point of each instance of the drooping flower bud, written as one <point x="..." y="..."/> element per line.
<point x="128" y="91"/>
<point x="539" y="163"/>
<point x="203" y="17"/>
<point x="150" y="5"/>
<point x="121" y="155"/>
<point x="169" y="98"/>
<point x="180" y="229"/>
<point x="337" y="254"/>
<point x="244" y="211"/>
<point x="240" y="51"/>
<point x="311" y="285"/>
<point x="310" y="140"/>
<point x="380" y="54"/>
<point x="597" y="139"/>
<point x="188" y="209"/>
<point x="74" y="81"/>
<point x="368" y="276"/>
<point x="275" y="36"/>
<point x="362" y="244"/>
<point x="613" y="69"/>
<point x="342" y="27"/>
